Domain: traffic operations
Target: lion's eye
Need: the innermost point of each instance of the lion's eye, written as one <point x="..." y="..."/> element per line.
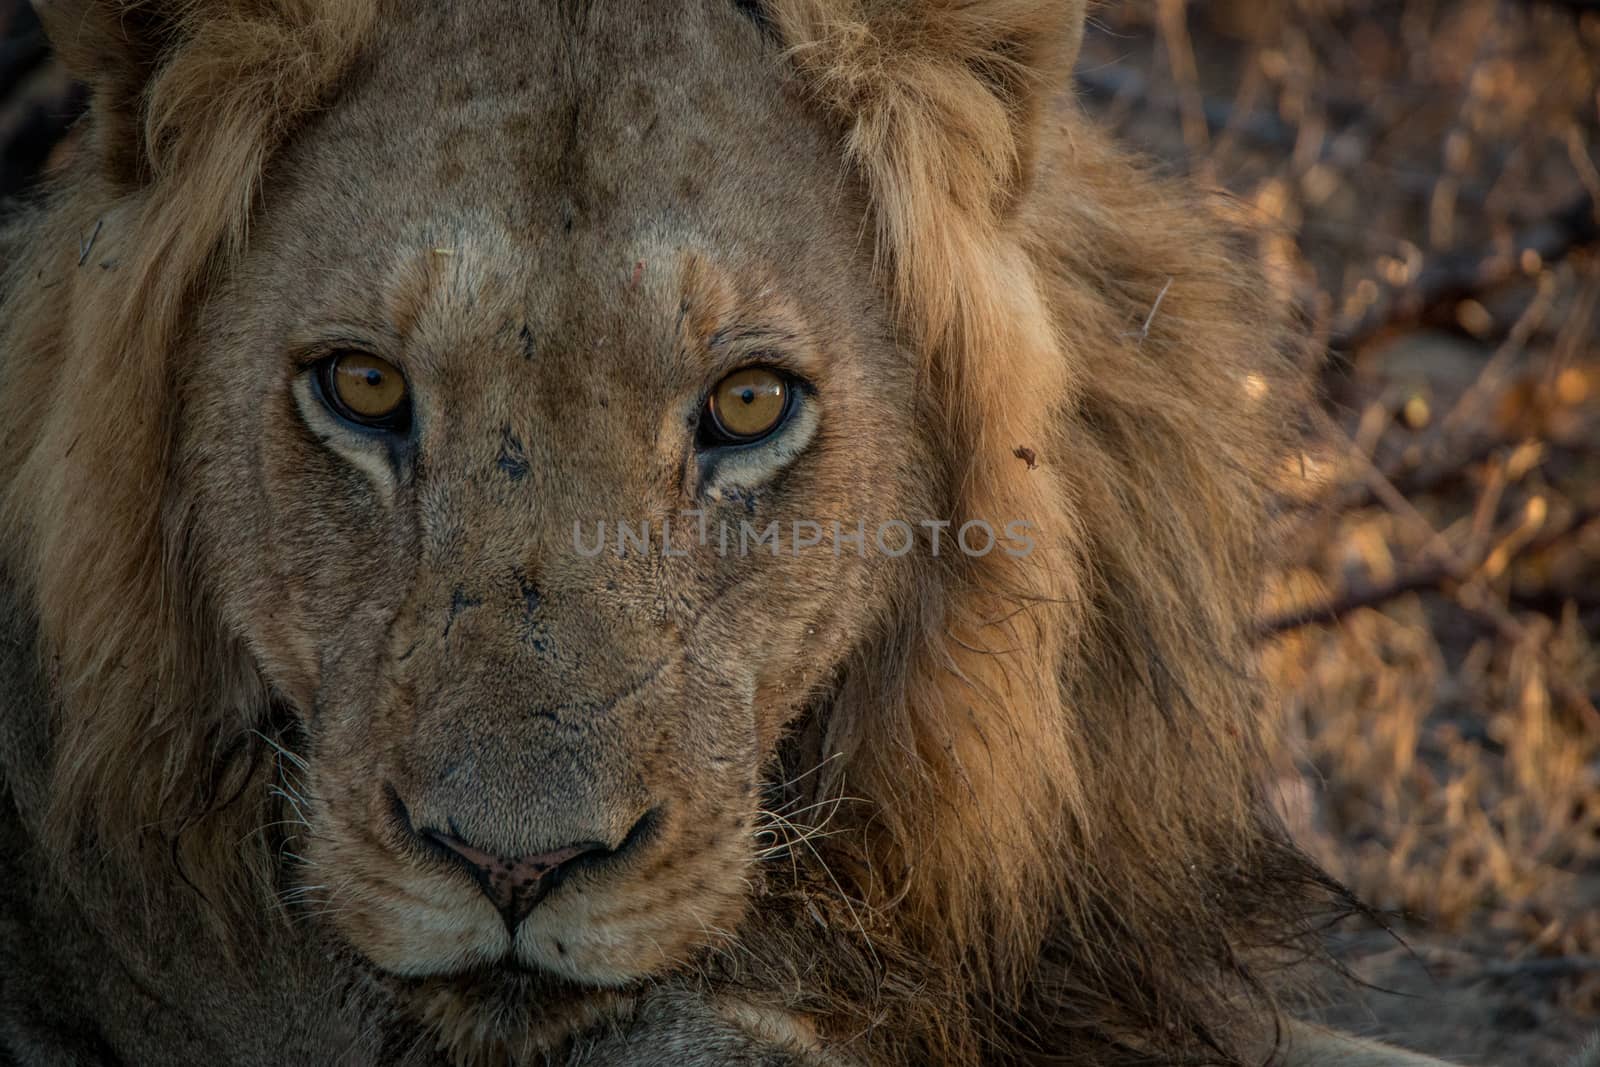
<point x="747" y="405"/>
<point x="365" y="390"/>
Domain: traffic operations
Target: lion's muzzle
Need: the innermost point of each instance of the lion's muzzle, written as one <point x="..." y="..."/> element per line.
<point x="516" y="884"/>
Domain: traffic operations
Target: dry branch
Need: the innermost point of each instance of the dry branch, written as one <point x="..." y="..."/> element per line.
<point x="1456" y="277"/>
<point x="1431" y="577"/>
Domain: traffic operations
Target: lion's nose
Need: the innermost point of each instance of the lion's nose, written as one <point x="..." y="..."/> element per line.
<point x="513" y="884"/>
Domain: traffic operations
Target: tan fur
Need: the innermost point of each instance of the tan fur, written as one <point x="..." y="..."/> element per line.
<point x="1029" y="788"/>
<point x="87" y="411"/>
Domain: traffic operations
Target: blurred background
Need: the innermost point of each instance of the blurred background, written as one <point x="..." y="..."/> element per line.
<point x="1427" y="174"/>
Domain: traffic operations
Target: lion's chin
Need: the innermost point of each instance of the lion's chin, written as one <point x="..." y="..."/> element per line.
<point x="504" y="1014"/>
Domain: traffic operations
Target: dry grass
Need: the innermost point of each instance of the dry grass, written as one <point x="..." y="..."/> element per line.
<point x="1430" y="169"/>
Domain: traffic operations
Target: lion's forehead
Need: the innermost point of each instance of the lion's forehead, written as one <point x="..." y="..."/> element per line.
<point x="567" y="145"/>
<point x="516" y="199"/>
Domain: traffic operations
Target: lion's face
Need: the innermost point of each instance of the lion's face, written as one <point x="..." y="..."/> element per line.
<point x="359" y="367"/>
<point x="490" y="311"/>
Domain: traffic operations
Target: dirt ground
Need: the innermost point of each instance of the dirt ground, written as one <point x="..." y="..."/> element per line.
<point x="1428" y="172"/>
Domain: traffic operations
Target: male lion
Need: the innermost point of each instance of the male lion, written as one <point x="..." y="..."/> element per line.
<point x="330" y="740"/>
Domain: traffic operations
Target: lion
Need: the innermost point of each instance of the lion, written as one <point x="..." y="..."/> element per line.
<point x="345" y="334"/>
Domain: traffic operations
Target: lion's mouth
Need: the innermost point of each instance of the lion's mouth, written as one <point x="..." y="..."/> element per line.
<point x="510" y="977"/>
<point x="507" y="988"/>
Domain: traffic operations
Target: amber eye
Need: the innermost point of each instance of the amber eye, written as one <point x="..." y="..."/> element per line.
<point x="365" y="390"/>
<point x="748" y="405"/>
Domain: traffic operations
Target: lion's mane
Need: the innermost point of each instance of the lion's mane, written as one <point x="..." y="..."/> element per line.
<point x="1056" y="821"/>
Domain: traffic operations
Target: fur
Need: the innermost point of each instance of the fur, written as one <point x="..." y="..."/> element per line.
<point x="1046" y="835"/>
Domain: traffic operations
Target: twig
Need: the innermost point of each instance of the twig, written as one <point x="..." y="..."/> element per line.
<point x="1437" y="574"/>
<point x="1261" y="127"/>
<point x="1430" y="577"/>
<point x="1173" y="18"/>
<point x="85" y="247"/>
<point x="1433" y="466"/>
<point x="1457" y="276"/>
<point x="1143" y="332"/>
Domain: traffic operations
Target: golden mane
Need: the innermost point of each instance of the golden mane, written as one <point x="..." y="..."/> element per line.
<point x="1085" y="726"/>
<point x="152" y="707"/>
<point x="1081" y="832"/>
